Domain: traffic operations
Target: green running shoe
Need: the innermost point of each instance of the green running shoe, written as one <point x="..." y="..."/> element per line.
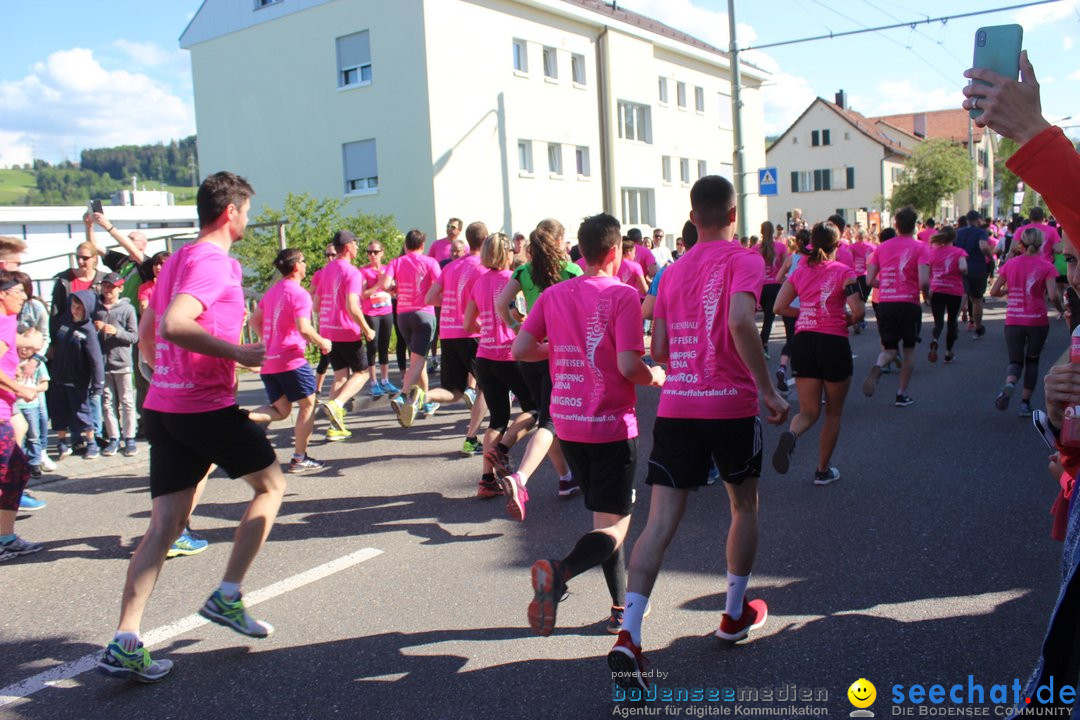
<point x="472" y="447"/>
<point x="231" y="614"/>
<point x="138" y="666"/>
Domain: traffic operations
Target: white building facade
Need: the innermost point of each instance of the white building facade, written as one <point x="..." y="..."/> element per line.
<point x="506" y="111"/>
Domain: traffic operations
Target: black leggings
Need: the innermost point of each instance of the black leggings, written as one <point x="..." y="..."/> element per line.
<point x="381" y="324"/>
<point x="402" y="351"/>
<point x="768" y="298"/>
<point x="1025" y="343"/>
<point x="324" y="364"/>
<point x="940" y="303"/>
<point x="789" y="333"/>
<point x="538" y="377"/>
<point x="497" y="380"/>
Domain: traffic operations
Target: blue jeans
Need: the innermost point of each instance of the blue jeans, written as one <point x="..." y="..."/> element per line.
<point x="97" y="414"/>
<point x="34" y="418"/>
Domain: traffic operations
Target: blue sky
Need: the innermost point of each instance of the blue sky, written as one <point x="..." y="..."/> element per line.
<point x="75" y="75"/>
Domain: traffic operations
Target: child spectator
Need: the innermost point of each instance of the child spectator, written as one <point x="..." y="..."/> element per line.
<point x="118" y="331"/>
<point x="78" y="373"/>
<point x="32" y="373"/>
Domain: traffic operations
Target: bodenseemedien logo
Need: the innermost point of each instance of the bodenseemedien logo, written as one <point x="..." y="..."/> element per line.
<point x="862" y="695"/>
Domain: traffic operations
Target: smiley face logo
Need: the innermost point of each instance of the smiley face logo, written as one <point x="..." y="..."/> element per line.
<point x="862" y="693"/>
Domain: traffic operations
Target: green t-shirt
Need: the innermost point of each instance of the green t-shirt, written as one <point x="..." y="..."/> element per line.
<point x="523" y="276"/>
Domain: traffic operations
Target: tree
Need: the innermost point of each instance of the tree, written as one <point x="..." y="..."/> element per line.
<point x="938" y="168"/>
<point x="312" y="224"/>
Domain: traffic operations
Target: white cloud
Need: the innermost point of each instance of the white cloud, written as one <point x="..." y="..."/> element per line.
<point x="1067" y="42"/>
<point x="148" y="53"/>
<point x="70" y="101"/>
<point x="1033" y="17"/>
<point x="894" y="97"/>
<point x="1075" y="75"/>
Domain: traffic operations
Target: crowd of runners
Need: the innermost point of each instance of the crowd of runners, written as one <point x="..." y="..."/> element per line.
<point x="546" y="342"/>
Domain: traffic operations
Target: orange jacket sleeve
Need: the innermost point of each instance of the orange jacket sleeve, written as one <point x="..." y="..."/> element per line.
<point x="1050" y="164"/>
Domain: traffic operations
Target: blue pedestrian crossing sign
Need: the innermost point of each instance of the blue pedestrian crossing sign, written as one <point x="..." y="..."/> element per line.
<point x="766" y="178"/>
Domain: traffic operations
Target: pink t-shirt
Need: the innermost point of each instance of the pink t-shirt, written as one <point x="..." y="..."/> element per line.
<point x="1051" y="239"/>
<point x="146" y="290"/>
<point x="415" y="274"/>
<point x="822" y="300"/>
<point x="898" y="263"/>
<point x="861" y="252"/>
<point x="643" y="256"/>
<point x="844" y="256"/>
<point x="1026" y="277"/>
<point x="9" y="363"/>
<point x="186" y="382"/>
<point x="927" y="233"/>
<point x="588" y="321"/>
<point x="282" y="305"/>
<point x="707" y="378"/>
<point x="336" y="282"/>
<point x="457" y="282"/>
<point x="945" y="275"/>
<point x="380" y="303"/>
<point x="495" y="337"/>
<point x="581" y="263"/>
<point x="441" y="249"/>
<point x="629" y="271"/>
<point x="772" y="276"/>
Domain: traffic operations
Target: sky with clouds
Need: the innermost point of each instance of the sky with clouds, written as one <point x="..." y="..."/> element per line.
<point x="112" y="73"/>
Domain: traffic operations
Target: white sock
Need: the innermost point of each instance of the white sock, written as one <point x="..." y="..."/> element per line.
<point x="230" y="590"/>
<point x="636" y="605"/>
<point x="524" y="477"/>
<point x="736" y="593"/>
<point x="127" y="640"/>
<point x="567" y="477"/>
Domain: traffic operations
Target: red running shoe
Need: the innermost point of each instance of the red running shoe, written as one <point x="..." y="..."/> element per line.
<point x="627" y="663"/>
<point x="516" y="496"/>
<point x="549" y="587"/>
<point x="754" y="615"/>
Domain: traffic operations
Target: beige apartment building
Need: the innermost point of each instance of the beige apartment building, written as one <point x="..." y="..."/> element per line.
<point x="508" y="111"/>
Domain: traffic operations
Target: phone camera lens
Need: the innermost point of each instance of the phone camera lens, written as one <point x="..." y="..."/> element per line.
<point x="981" y="39"/>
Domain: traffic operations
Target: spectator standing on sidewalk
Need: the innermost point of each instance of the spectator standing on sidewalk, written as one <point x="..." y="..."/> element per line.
<point x="118" y="331"/>
<point x="78" y="374"/>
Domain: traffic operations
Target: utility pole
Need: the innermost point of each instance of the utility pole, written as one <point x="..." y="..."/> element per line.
<point x="736" y="116"/>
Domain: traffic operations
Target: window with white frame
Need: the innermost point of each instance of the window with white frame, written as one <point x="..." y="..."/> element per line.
<point x="724" y="107"/>
<point x="680" y="94"/>
<point x="684" y="170"/>
<point x="663" y="90"/>
<point x="699" y="99"/>
<point x="521" y="56"/>
<point x="354" y="60"/>
<point x="551" y="64"/>
<point x="555" y="158"/>
<point x="637" y="204"/>
<point x="361" y="167"/>
<point x="702" y="169"/>
<point x="635" y="121"/>
<point x="581" y="158"/>
<point x="525" y="158"/>
<point x="665" y="168"/>
<point x="577" y="68"/>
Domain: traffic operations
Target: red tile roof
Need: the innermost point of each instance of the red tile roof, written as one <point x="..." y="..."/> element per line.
<point x="867" y="127"/>
<point x="948" y="124"/>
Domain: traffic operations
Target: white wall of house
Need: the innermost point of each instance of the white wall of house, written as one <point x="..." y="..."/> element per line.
<point x="848" y="148"/>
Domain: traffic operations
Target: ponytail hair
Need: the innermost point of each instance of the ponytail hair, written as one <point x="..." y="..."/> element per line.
<point x="824" y="239"/>
<point x="944" y="236"/>
<point x="545" y="247"/>
<point x="768" y="250"/>
<point x="287" y="260"/>
<point x="802" y="241"/>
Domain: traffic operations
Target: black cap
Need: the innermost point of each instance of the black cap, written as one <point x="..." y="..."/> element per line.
<point x="973" y="216"/>
<point x="343" y="238"/>
<point x="113" y="279"/>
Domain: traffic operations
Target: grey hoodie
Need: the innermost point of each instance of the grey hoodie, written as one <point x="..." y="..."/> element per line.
<point x="117" y="348"/>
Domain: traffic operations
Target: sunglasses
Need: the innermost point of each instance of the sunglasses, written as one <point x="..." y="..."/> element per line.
<point x="373" y="252"/>
<point x="84" y="258"/>
<point x="330" y="256"/>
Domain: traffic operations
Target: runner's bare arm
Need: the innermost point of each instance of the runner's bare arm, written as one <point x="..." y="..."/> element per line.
<point x="179" y="327"/>
<point x="527" y="348"/>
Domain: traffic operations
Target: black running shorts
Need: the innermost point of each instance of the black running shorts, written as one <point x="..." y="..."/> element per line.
<point x="605" y="473"/>
<point x="898" y="322"/>
<point x="821" y="356"/>
<point x="348" y="355"/>
<point x="458" y="362"/>
<point x="184" y="446"/>
<point x="683" y="448"/>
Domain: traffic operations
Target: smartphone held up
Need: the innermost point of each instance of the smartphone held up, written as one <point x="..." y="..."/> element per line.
<point x="997" y="48"/>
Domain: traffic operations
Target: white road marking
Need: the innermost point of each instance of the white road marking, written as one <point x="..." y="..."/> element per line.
<point x="23" y="689"/>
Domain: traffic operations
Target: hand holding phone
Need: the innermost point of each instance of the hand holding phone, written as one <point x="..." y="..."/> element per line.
<point x="997" y="48"/>
<point x="95" y="206"/>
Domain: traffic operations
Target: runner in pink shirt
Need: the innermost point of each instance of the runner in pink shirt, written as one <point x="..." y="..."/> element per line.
<point x="775" y="254"/>
<point x="704" y="328"/>
<point x="496" y="372"/>
<point x="441" y="248"/>
<point x="283" y="319"/>
<point x="378" y="309"/>
<point x="630" y="272"/>
<point x="829" y="303"/>
<point x="1051" y="238"/>
<point x="948" y="265"/>
<point x="190" y="332"/>
<point x="342" y="322"/>
<point x="927" y="233"/>
<point x="899" y="268"/>
<point x="324" y="359"/>
<point x="414" y="273"/>
<point x="458" y="369"/>
<point x="861" y="250"/>
<point x="589" y="327"/>
<point x="1028" y="279"/>
<point x="643" y="255"/>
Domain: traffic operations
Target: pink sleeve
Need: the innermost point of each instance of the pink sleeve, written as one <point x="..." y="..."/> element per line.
<point x="628" y="335"/>
<point x="748" y="273"/>
<point x="391" y="268"/>
<point x="356" y="284"/>
<point x="534" y="323"/>
<point x="925" y="256"/>
<point x="873" y="259"/>
<point x="436" y="270"/>
<point x="206" y="285"/>
<point x="301" y="305"/>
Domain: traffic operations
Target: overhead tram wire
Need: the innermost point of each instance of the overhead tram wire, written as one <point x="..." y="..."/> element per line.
<point x="911" y="24"/>
<point x="939" y="42"/>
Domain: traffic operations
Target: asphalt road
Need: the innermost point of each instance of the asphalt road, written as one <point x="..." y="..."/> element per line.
<point x="929" y="561"/>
